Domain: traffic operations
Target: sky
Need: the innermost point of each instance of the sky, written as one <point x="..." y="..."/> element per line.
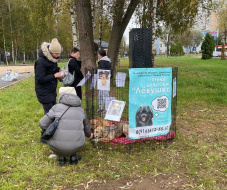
<point x="131" y="24"/>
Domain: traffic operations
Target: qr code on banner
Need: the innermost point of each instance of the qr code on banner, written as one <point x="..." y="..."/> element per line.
<point x="161" y="103"/>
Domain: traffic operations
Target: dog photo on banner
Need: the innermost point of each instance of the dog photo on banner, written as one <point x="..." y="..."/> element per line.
<point x="150" y="93"/>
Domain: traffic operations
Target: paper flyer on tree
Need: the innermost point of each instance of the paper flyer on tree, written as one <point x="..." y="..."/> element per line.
<point x="150" y="93"/>
<point x="82" y="82"/>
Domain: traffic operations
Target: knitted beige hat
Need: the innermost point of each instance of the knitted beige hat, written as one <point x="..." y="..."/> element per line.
<point x="55" y="47"/>
<point x="68" y="90"/>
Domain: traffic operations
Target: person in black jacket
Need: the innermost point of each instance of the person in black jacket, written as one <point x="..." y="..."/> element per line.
<point x="75" y="66"/>
<point x="47" y="73"/>
<point x="105" y="64"/>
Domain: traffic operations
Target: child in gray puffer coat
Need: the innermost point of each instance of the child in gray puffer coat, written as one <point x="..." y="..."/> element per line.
<point x="69" y="137"/>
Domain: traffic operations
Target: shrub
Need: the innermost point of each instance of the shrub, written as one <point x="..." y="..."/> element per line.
<point x="176" y="49"/>
<point x="173" y="50"/>
<point x="207" y="47"/>
<point x="179" y="48"/>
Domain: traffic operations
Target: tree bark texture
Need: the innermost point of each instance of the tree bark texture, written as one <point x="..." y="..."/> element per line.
<point x="100" y="22"/>
<point x="74" y="28"/>
<point x="11" y="31"/>
<point x="120" y="22"/>
<point x="4" y="41"/>
<point x="153" y="29"/>
<point x="87" y="50"/>
<point x="93" y="14"/>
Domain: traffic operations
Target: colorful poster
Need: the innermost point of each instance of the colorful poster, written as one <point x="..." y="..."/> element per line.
<point x="150" y="93"/>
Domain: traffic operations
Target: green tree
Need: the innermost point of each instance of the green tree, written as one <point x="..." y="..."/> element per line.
<point x="189" y="38"/>
<point x="173" y="50"/>
<point x="121" y="12"/>
<point x="106" y="28"/>
<point x="36" y="21"/>
<point x="197" y="38"/>
<point x="222" y="21"/>
<point x="185" y="38"/>
<point x="208" y="46"/>
<point x="175" y="14"/>
<point x="180" y="50"/>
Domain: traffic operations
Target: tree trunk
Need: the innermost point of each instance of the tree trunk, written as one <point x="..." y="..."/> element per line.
<point x="37" y="47"/>
<point x="167" y="45"/>
<point x="120" y="23"/>
<point x="225" y="35"/>
<point x="93" y="14"/>
<point x="87" y="50"/>
<point x="100" y="22"/>
<point x="143" y="23"/>
<point x="23" y="35"/>
<point x="153" y="29"/>
<point x="56" y="15"/>
<point x="16" y="50"/>
<point x="4" y="41"/>
<point x="11" y="31"/>
<point x="74" y="28"/>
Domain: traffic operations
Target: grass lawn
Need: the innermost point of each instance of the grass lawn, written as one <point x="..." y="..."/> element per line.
<point x="197" y="154"/>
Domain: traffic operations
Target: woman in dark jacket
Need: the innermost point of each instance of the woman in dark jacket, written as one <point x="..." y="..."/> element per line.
<point x="75" y="66"/>
<point x="47" y="73"/>
<point x="69" y="137"/>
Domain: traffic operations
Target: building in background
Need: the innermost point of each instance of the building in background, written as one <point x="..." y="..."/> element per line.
<point x="205" y="21"/>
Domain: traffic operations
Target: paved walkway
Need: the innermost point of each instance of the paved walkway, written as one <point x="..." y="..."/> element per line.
<point x="21" y="76"/>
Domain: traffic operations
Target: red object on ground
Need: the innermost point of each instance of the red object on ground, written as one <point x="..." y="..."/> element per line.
<point x="126" y="140"/>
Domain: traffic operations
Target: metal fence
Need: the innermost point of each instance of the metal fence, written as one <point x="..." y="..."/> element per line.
<point x="114" y="135"/>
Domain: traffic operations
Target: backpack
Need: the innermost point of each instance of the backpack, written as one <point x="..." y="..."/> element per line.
<point x="69" y="78"/>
